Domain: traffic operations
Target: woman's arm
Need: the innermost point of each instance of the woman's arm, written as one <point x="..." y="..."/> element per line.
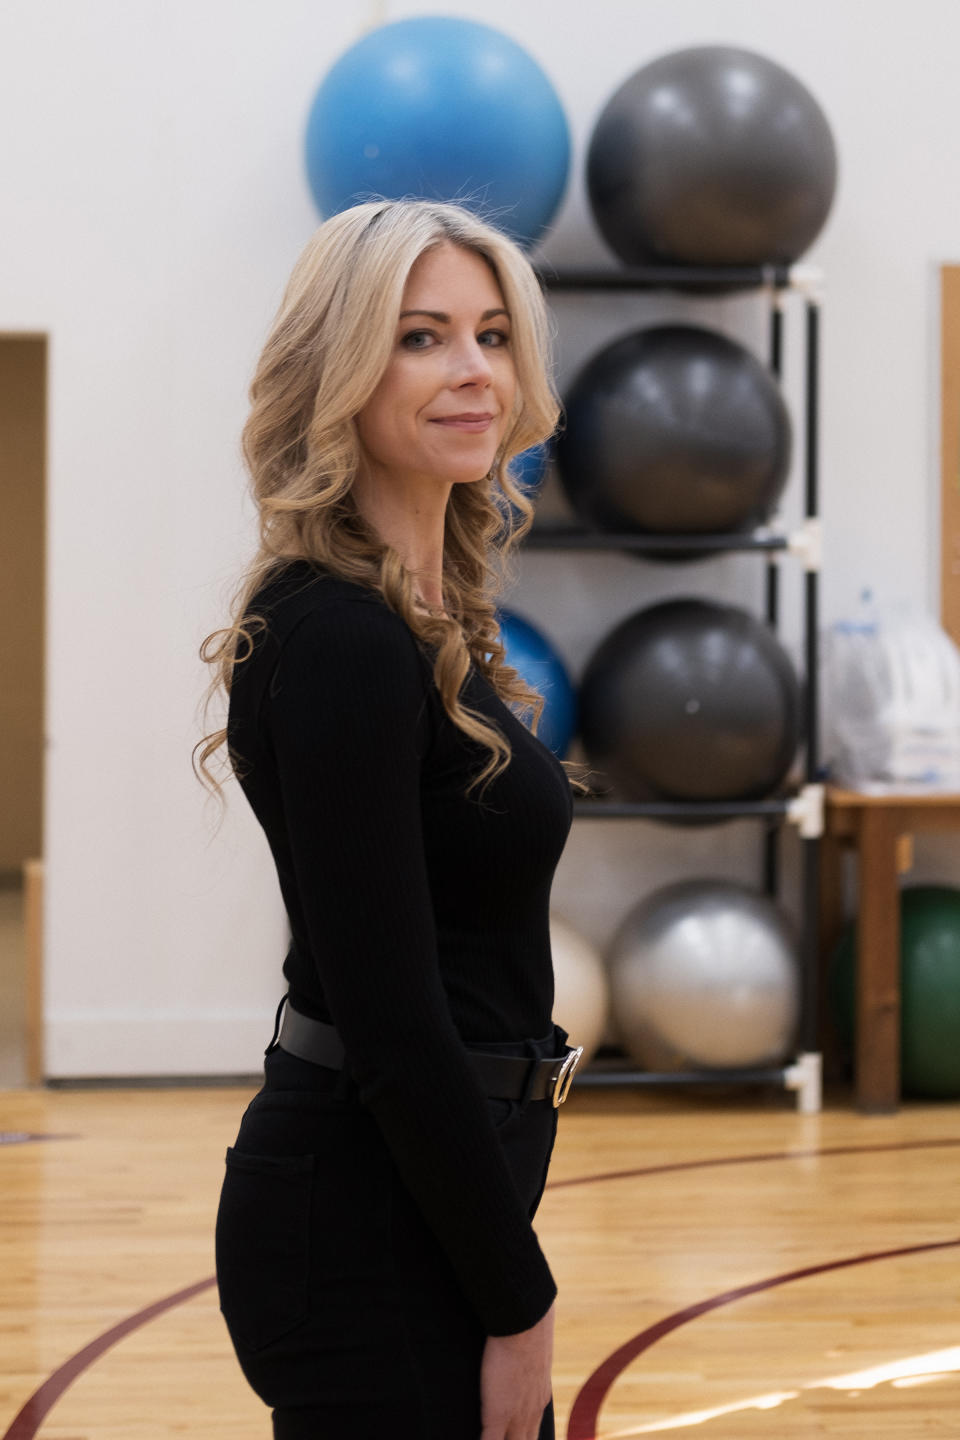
<point x="342" y="719"/>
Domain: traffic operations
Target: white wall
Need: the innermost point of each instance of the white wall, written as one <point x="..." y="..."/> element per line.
<point x="154" y="201"/>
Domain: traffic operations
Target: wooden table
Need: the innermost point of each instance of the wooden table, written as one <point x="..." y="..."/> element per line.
<point x="881" y="830"/>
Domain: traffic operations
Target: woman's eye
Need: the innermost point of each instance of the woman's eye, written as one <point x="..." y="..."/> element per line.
<point x="417" y="339"/>
<point x="495" y="337"/>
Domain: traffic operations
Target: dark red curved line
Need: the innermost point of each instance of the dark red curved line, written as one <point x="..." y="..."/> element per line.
<point x="678" y="1165"/>
<point x="25" y="1425"/>
<point x="585" y="1414"/>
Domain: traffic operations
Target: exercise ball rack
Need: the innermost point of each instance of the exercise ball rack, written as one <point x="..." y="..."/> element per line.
<point x="802" y="805"/>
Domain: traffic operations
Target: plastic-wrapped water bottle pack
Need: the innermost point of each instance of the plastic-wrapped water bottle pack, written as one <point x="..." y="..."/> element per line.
<point x="892" y="693"/>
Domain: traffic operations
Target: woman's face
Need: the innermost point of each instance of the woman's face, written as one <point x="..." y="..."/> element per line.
<point x="445" y="400"/>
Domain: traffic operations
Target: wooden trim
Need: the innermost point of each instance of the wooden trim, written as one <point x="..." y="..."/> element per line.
<point x="33" y="926"/>
<point x="950" y="450"/>
<point x="840" y="799"/>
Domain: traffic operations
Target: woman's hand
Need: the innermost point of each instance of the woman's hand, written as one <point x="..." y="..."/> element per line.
<point x="515" y="1386"/>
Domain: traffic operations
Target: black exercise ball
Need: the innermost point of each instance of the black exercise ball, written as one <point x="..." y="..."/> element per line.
<point x="674" y="429"/>
<point x="711" y="156"/>
<point x="691" y="700"/>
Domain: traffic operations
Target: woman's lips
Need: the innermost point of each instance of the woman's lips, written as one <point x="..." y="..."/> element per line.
<point x="473" y="424"/>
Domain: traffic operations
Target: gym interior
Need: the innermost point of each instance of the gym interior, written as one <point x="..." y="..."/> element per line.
<point x="739" y="597"/>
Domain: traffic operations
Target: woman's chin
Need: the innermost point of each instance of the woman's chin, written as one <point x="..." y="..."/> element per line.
<point x="471" y="479"/>
<point x="466" y="474"/>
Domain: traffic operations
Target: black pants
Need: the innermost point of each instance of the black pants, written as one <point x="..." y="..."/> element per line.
<point x="344" y="1311"/>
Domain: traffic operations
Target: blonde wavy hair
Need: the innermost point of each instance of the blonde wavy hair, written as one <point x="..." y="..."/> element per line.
<point x="323" y="359"/>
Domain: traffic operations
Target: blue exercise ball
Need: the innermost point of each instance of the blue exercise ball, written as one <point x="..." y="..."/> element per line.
<point x="529" y="468"/>
<point x="529" y="473"/>
<point x="540" y="667"/>
<point x="441" y="109"/>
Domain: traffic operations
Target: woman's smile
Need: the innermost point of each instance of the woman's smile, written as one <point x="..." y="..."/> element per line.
<point x="474" y="424"/>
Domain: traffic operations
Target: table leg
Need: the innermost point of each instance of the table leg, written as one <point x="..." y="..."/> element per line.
<point x="830" y="928"/>
<point x="878" y="965"/>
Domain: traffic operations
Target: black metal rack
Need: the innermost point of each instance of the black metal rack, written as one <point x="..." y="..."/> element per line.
<point x="805" y="805"/>
<point x="570" y="537"/>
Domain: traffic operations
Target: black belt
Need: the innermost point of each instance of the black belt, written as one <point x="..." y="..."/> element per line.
<point x="503" y="1076"/>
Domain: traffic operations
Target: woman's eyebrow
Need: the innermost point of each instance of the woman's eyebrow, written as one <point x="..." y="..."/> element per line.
<point x="443" y="319"/>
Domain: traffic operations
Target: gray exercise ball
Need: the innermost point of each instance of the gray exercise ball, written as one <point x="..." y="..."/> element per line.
<point x="711" y="156"/>
<point x="675" y="429"/>
<point x="691" y="700"/>
<point x="705" y="974"/>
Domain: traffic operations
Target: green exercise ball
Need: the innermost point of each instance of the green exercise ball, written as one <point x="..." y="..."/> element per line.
<point x="930" y="991"/>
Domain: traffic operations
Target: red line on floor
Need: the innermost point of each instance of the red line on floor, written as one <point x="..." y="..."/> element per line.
<point x="720" y="1160"/>
<point x="585" y="1414"/>
<point x="587" y="1404"/>
<point x="26" y="1424"/>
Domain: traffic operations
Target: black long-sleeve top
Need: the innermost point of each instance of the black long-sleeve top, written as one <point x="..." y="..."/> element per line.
<point x="419" y="917"/>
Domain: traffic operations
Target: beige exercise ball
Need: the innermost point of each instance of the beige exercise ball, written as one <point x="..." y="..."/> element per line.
<point x="581" y="1002"/>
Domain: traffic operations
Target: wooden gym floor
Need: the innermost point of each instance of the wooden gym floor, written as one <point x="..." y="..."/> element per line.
<point x="727" y="1268"/>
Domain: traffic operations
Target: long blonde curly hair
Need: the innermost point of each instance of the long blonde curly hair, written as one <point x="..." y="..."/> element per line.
<point x="323" y="359"/>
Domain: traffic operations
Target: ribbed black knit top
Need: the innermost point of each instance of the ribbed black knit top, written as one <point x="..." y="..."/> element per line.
<point x="419" y="916"/>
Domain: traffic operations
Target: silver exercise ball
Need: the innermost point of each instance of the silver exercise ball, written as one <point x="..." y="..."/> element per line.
<point x="704" y="974"/>
<point x="582" y="1001"/>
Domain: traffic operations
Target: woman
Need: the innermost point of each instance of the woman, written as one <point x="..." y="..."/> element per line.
<point x="378" y="1270"/>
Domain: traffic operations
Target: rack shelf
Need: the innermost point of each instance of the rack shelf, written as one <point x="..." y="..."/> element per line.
<point x="679" y="809"/>
<point x="777" y="1077"/>
<point x="803" y="1076"/>
<point x="575" y="537"/>
<point x="668" y="277"/>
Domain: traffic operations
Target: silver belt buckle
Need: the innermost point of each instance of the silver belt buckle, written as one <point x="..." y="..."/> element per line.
<point x="564" y="1077"/>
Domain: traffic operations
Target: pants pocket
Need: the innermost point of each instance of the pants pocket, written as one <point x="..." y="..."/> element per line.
<point x="501" y="1110"/>
<point x="263" y="1245"/>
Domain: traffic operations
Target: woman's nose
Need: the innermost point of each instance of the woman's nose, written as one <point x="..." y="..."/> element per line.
<point x="471" y="364"/>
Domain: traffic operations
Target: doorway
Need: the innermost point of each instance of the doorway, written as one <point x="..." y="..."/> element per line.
<point x="23" y="408"/>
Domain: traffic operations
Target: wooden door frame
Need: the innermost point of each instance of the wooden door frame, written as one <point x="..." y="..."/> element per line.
<point x="950" y="450"/>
